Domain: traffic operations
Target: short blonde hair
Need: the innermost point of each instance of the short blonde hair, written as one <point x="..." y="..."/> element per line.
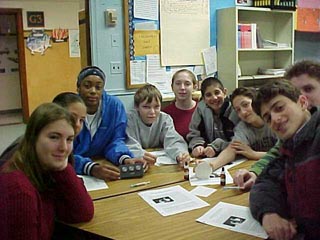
<point x="147" y="92"/>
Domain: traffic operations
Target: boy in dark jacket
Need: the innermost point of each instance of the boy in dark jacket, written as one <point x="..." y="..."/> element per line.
<point x="286" y="197"/>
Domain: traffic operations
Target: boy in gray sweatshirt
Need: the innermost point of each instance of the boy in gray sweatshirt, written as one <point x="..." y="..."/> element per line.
<point x="148" y="127"/>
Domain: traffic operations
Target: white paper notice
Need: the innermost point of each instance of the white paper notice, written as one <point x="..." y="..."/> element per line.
<point x="74" y="47"/>
<point x="146" y="9"/>
<point x="185" y="31"/>
<point x="156" y="74"/>
<point x="203" y="191"/>
<point x="199" y="70"/>
<point x="210" y="60"/>
<point x="172" y="200"/>
<point x="92" y="183"/>
<point x="145" y="26"/>
<point x="233" y="217"/>
<point x="138" y="71"/>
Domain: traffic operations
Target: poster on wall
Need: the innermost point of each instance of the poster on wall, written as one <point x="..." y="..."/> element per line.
<point x="38" y="41"/>
<point x="59" y="35"/>
<point x="308" y="16"/>
<point x="74" y="47"/>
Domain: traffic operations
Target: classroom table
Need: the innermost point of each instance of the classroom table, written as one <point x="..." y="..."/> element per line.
<point x="128" y="216"/>
<point x="157" y="175"/>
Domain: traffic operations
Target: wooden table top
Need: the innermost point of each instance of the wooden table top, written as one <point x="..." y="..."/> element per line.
<point x="128" y="216"/>
<point x="158" y="176"/>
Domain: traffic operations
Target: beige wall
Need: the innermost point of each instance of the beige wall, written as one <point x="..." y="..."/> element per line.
<point x="63" y="14"/>
<point x="55" y="71"/>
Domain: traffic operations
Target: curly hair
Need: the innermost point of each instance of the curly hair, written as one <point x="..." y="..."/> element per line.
<point x="309" y="67"/>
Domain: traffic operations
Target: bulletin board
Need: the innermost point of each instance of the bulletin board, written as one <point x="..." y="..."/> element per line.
<point x="145" y="60"/>
<point x="139" y="43"/>
<point x="308" y="13"/>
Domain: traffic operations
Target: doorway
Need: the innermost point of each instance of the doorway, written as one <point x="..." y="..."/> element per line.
<point x="13" y="91"/>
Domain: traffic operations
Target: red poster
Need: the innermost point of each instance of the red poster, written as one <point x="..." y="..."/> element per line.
<point x="308" y="20"/>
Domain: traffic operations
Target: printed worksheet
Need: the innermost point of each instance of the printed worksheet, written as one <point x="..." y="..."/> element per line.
<point x="172" y="200"/>
<point x="233" y="217"/>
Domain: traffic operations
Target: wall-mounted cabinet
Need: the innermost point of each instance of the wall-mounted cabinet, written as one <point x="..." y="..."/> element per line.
<point x="274" y="25"/>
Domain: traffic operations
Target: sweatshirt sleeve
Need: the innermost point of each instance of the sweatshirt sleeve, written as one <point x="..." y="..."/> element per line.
<point x="133" y="137"/>
<point x="219" y="145"/>
<point x="19" y="204"/>
<point x="240" y="133"/>
<point x="72" y="201"/>
<point x="117" y="150"/>
<point x="194" y="136"/>
<point x="83" y="165"/>
<point x="260" y="165"/>
<point x="268" y="194"/>
<point x="174" y="143"/>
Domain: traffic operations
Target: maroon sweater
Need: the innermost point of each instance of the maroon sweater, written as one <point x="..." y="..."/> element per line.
<point x="181" y="118"/>
<point x="25" y="213"/>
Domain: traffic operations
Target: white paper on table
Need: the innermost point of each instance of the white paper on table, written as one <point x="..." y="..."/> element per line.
<point x="203" y="191"/>
<point x="213" y="180"/>
<point x="215" y="176"/>
<point x="92" y="183"/>
<point x="228" y="165"/>
<point x="163" y="158"/>
<point x="233" y="217"/>
<point x="172" y="200"/>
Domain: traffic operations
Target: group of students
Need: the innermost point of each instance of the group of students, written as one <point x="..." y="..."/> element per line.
<point x="284" y="195"/>
<point x="38" y="181"/>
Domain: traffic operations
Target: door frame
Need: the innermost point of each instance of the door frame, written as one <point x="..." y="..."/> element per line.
<point x="17" y="12"/>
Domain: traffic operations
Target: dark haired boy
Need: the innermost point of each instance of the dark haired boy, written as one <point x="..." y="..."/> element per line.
<point x="286" y="197"/>
<point x="252" y="137"/>
<point x="305" y="75"/>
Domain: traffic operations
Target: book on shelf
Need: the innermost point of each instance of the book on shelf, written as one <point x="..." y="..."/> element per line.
<point x="271" y="71"/>
<point x="272" y="44"/>
<point x="259" y="38"/>
<point x="265" y="43"/>
<point x="247" y="35"/>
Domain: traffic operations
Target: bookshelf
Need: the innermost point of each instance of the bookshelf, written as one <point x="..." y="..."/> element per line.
<point x="274" y="25"/>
